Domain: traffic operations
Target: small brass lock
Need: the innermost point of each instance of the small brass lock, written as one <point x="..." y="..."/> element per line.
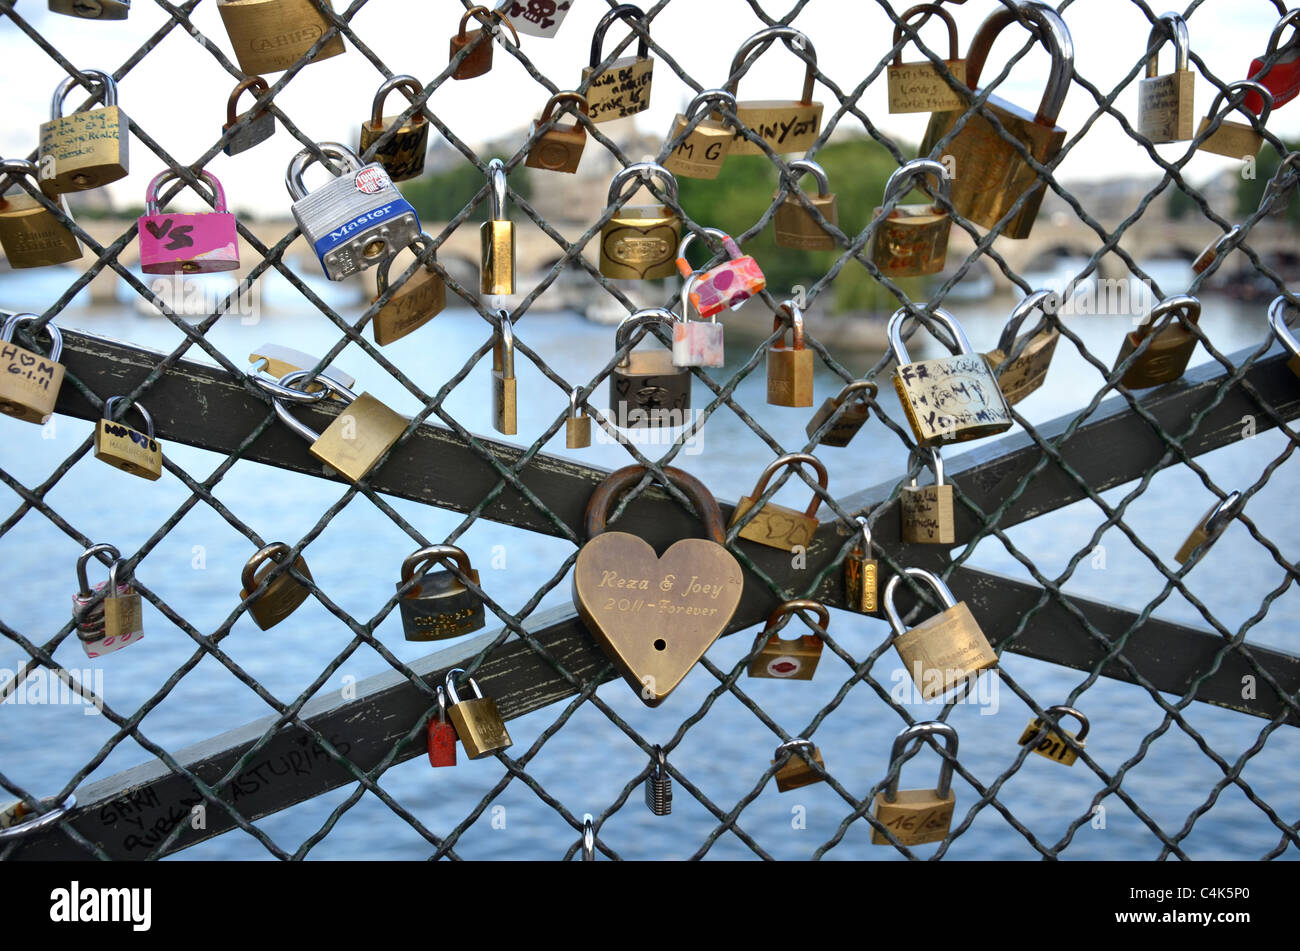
<point x="789" y="369"/>
<point x="1216" y="249"/>
<point x="29" y="382"/>
<point x="783" y="125"/>
<point x="1236" y="139"/>
<point x="846" y="420"/>
<point x="125" y="448"/>
<point x="560" y="148"/>
<point x="1211" y="526"/>
<point x="283" y="595"/>
<point x="912" y="240"/>
<point x="639" y="241"/>
<point x="645" y="389"/>
<point x="439" y="606"/>
<point x="402" y="156"/>
<point x="926" y="512"/>
<point x="415" y="303"/>
<point x="775" y="525"/>
<point x="794" y="224"/>
<point x="269" y="36"/>
<point x="1021" y="365"/>
<point x="86" y="149"/>
<point x="794" y="659"/>
<point x="257" y="126"/>
<point x="700" y="153"/>
<point x="921" y="86"/>
<point x="479" y="59"/>
<point x="504" y="385"/>
<point x="30" y="234"/>
<point x="944" y="650"/>
<point x="497" y="238"/>
<point x="1277" y="312"/>
<point x="862" y="575"/>
<point x="623" y="89"/>
<point x="1165" y="106"/>
<point x="477" y="722"/>
<point x="1168" y="350"/>
<point x="917" y="816"/>
<point x="114" y="620"/>
<point x="577" y="426"/>
<point x="1049" y="740"/>
<point x="796" y="772"/>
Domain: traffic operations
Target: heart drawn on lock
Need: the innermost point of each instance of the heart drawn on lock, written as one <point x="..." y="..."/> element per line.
<point x="655" y="616"/>
<point x="640" y="249"/>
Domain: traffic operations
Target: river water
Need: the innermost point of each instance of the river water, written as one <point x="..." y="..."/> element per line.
<point x="586" y="765"/>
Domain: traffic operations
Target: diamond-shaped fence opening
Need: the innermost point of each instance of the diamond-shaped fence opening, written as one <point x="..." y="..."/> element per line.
<point x="302" y="736"/>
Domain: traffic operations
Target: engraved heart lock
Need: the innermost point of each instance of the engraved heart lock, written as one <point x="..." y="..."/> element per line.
<point x="655" y="616"/>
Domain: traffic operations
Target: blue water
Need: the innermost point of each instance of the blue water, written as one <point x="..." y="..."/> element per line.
<point x="587" y="764"/>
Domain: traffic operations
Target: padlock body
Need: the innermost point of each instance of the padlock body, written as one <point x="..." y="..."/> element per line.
<point x="951" y="399"/>
<point x="659" y="792"/>
<point x="92" y="9"/>
<point x="926" y="515"/>
<point x="128" y="449"/>
<point x="640" y="243"/>
<point x="789" y="376"/>
<point x="842" y="431"/>
<point x="558" y="149"/>
<point x="504" y="403"/>
<point x="915" y="817"/>
<point x="797" y="773"/>
<point x="700" y="154"/>
<point x="729" y="284"/>
<point x="438" y="606"/>
<point x="1232" y="139"/>
<point x="649" y="391"/>
<point x="188" y="243"/>
<point x="31" y="236"/>
<point x="989" y="175"/>
<point x="256" y="132"/>
<point x="944" y="650"/>
<point x="1051" y="745"/>
<point x="84" y="150"/>
<point x="269" y="36"/>
<point x="794" y="659"/>
<point x="861" y="583"/>
<point x="912" y="241"/>
<point x="497" y="244"/>
<point x="622" y="90"/>
<point x="775" y="525"/>
<point x="441" y="741"/>
<point x="1027" y="372"/>
<point x="479" y="60"/>
<point x="355" y="220"/>
<point x="281" y="597"/>
<point x="1199" y="536"/>
<point x="1165" y="110"/>
<point x="921" y="87"/>
<point x="414" y="304"/>
<point x="577" y="432"/>
<point x="358" y="436"/>
<point x="402" y="156"/>
<point x="697" y="343"/>
<point x="1282" y="81"/>
<point x="1166" y="357"/>
<point x="786" y="125"/>
<point x="796" y="228"/>
<point x="127" y="624"/>
<point x="29" y="384"/>
<point x="479" y="726"/>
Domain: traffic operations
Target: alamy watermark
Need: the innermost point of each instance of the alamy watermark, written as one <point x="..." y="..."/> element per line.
<point x="46" y="686"/>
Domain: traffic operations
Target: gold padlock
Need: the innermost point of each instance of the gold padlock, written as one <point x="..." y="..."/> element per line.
<point x="989" y="175"/>
<point x="402" y="156"/>
<point x="414" y="304"/>
<point x="497" y="238"/>
<point x="1049" y="740"/>
<point x="269" y="36"/>
<point x="849" y="419"/>
<point x="1165" y="105"/>
<point x="916" y="816"/>
<point x="789" y="369"/>
<point x="283" y="595"/>
<point x="794" y="659"/>
<point x="921" y="87"/>
<point x="796" y="772"/>
<point x="504" y="393"/>
<point x="700" y="153"/>
<point x="30" y="234"/>
<point x="560" y="148"/>
<point x="912" y="240"/>
<point x="577" y="426"/>
<point x="926" y="512"/>
<point x="775" y="525"/>
<point x="1277" y="312"/>
<point x="477" y="722"/>
<point x="1021" y="365"/>
<point x="794" y="225"/>
<point x="1236" y="139"/>
<point x="944" y="650"/>
<point x="862" y="575"/>
<point x="640" y="241"/>
<point x="86" y="149"/>
<point x="29" y="382"/>
<point x="1211" y="526"/>
<point x="125" y="448"/>
<point x="1168" y="351"/>
<point x="623" y="89"/>
<point x="784" y="125"/>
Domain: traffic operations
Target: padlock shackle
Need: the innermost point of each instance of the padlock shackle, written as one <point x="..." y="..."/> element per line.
<point x="621" y="480"/>
<point x="641" y="170"/>
<point x="686" y="297"/>
<point x="798" y="604"/>
<point x="274" y="551"/>
<point x="85" y="556"/>
<point x="801" y="167"/>
<point x="865" y="524"/>
<point x="275" y="388"/>
<point x="931" y="579"/>
<point x="259" y="88"/>
<point x="1168" y="26"/>
<point x="1183" y="306"/>
<point x="44" y="820"/>
<point x="61" y="91"/>
<point x="1049" y="302"/>
<point x="112" y="578"/>
<point x="1061" y="710"/>
<point x="14" y="321"/>
<point x="793" y="745"/>
<point x="795" y="459"/>
<point x="624" y="11"/>
<point x="839" y="398"/>
<point x="282" y="411"/>
<point x="916" y="11"/>
<point x="419" y="562"/>
<point x="1277" y="320"/>
<point x="894" y="331"/>
<point x="935" y="464"/>
<point x="497" y="188"/>
<point x="151" y="192"/>
<point x="684" y="267"/>
<point x="1050" y="30"/>
<point x="1223" y="513"/>
<point x="642" y="318"/>
<point x="422" y="242"/>
<point x="137" y="406"/>
<point x="709" y="95"/>
<point x="575" y="97"/>
<point x="588" y="839"/>
<point x="1292" y="19"/>
<point x="901" y="181"/>
<point x="791" y="309"/>
<point x="503" y="345"/>
<point x="450" y="683"/>
<point x="409" y="85"/>
<point x="790" y="35"/>
<point x="16" y="168"/>
<point x="442" y="704"/>
<point x="298" y="164"/>
<point x="1250" y="86"/>
<point x="917" y="732"/>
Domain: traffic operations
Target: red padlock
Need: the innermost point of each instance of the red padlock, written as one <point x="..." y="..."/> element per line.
<point x="729" y="284"/>
<point x="187" y="243"/>
<point x="442" y="736"/>
<point x="1282" y="79"/>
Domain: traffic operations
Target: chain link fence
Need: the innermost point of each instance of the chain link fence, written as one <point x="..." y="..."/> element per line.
<point x="542" y="664"/>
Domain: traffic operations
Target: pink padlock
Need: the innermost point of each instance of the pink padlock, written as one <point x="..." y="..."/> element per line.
<point x="729" y="284"/>
<point x="181" y="243"/>
<point x="696" y="343"/>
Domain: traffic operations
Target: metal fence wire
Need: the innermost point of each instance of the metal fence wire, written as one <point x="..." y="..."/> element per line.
<point x="540" y="659"/>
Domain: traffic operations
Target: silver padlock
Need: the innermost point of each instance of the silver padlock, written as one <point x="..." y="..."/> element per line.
<point x="354" y="221"/>
<point x="92" y="9"/>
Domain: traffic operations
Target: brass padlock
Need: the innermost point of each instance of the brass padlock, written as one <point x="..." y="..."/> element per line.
<point x="30" y="234"/>
<point x="916" y="816"/>
<point x="1211" y="526"/>
<point x="86" y="149"/>
<point x="639" y="242"/>
<point x="794" y="659"/>
<point x="1236" y="139"/>
<point x="1049" y="740"/>
<point x="29" y="382"/>
<point x="659" y="784"/>
<point x="989" y="175"/>
<point x="1168" y="351"/>
<point x="285" y="592"/>
<point x="789" y="369"/>
<point x="269" y="36"/>
<point x="700" y="153"/>
<point x="256" y="126"/>
<point x="504" y="392"/>
<point x="415" y="303"/>
<point x="947" y="399"/>
<point x="479" y="59"/>
<point x="109" y="615"/>
<point x="1021" y="365"/>
<point x="125" y="448"/>
<point x="912" y="240"/>
<point x="1165" y="105"/>
<point x="794" y="224"/>
<point x="926" y="512"/>
<point x="402" y="156"/>
<point x="477" y="722"/>
<point x="921" y="86"/>
<point x="784" y="125"/>
<point x="645" y="389"/>
<point x="845" y="415"/>
<point x="577" y="425"/>
<point x="1217" y="248"/>
<point x="944" y="650"/>
<point x="622" y="89"/>
<point x="439" y="605"/>
<point x="358" y="436"/>
<point x="775" y="525"/>
<point x="796" y="772"/>
<point x="558" y="149"/>
<point x="862" y="575"/>
<point x="497" y="238"/>
<point x="1277" y="312"/>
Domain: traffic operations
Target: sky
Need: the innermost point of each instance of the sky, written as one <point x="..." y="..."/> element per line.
<point x="178" y="92"/>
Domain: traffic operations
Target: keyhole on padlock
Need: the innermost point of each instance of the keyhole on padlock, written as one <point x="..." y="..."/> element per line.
<point x="661" y="644"/>
<point x="374" y="249"/>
